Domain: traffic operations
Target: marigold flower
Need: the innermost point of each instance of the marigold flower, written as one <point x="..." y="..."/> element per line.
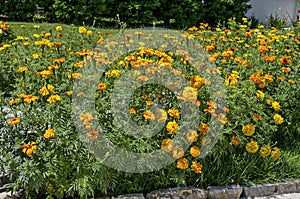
<point x="235" y="140"/>
<point x="102" y="86"/>
<point x="82" y="30"/>
<point x="260" y="94"/>
<point x="30" y="98"/>
<point x="22" y="69"/>
<point x="249" y="129"/>
<point x="286" y="69"/>
<point x="172" y="127"/>
<point x="195" y="151"/>
<point x="69" y="92"/>
<point x="192" y="136"/>
<point x="196" y="167"/>
<point x="45" y="73"/>
<point x="285" y="60"/>
<point x="50" y="133"/>
<point x="204" y="128"/>
<point x="276" y="105"/>
<point x="265" y="150"/>
<point x="148" y="115"/>
<point x="44" y="91"/>
<point x="252" y="147"/>
<point x="77" y="75"/>
<point x="222" y="118"/>
<point x="178" y="152"/>
<point x="182" y="163"/>
<point x="275" y="154"/>
<point x="256" y="117"/>
<point x="161" y="115"/>
<point x="174" y="113"/>
<point x="53" y="99"/>
<point x="278" y="119"/>
<point x="14" y="121"/>
<point x="93" y="134"/>
<point x="132" y="111"/>
<point x="167" y="145"/>
<point x="58" y="28"/>
<point x="29" y="148"/>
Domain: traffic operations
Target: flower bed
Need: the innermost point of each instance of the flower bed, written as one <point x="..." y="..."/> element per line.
<point x="50" y="147"/>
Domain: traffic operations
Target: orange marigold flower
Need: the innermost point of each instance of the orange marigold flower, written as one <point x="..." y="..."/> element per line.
<point x="196" y="167"/>
<point x="22" y="69"/>
<point x="285" y="60"/>
<point x="148" y="115"/>
<point x="132" y="111"/>
<point x="29" y="148"/>
<point x="195" y="151"/>
<point x="182" y="163"/>
<point x="45" y="73"/>
<point x="14" y="121"/>
<point x="204" y="128"/>
<point x="102" y="86"/>
<point x="235" y="140"/>
<point x="254" y="78"/>
<point x="30" y="98"/>
<point x="286" y="69"/>
<point x="222" y="118"/>
<point x="93" y="134"/>
<point x="256" y="117"/>
<point x="262" y="49"/>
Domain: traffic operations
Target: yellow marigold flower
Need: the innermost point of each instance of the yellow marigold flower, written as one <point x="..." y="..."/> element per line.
<point x="278" y="119"/>
<point x="195" y="151"/>
<point x="89" y="32"/>
<point x="50" y="88"/>
<point x="189" y="94"/>
<point x="249" y="129"/>
<point x="235" y="140"/>
<point x="50" y="133"/>
<point x="252" y="147"/>
<point x="265" y="150"/>
<point x="58" y="28"/>
<point x="69" y="92"/>
<point x="276" y="106"/>
<point x="261" y="26"/>
<point x="148" y="115"/>
<point x="35" y="56"/>
<point x="14" y="101"/>
<point x="196" y="167"/>
<point x="44" y="91"/>
<point x="113" y="73"/>
<point x="222" y="118"/>
<point x="167" y="145"/>
<point x="22" y="69"/>
<point x="260" y="94"/>
<point x="192" y="136"/>
<point x="93" y="134"/>
<point x="161" y="115"/>
<point x="275" y="154"/>
<point x="14" y="121"/>
<point x="178" y="152"/>
<point x="174" y="113"/>
<point x="45" y="73"/>
<point x="196" y="81"/>
<point x="82" y="30"/>
<point x="182" y="163"/>
<point x="77" y="75"/>
<point x="30" y="98"/>
<point x="26" y="43"/>
<point x="53" y="99"/>
<point x="172" y="127"/>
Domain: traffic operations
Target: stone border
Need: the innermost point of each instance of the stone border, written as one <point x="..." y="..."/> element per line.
<point x="213" y="192"/>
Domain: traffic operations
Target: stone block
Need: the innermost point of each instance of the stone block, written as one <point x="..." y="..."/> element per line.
<point x="259" y="190"/>
<point x="286" y="187"/>
<point x="228" y="192"/>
